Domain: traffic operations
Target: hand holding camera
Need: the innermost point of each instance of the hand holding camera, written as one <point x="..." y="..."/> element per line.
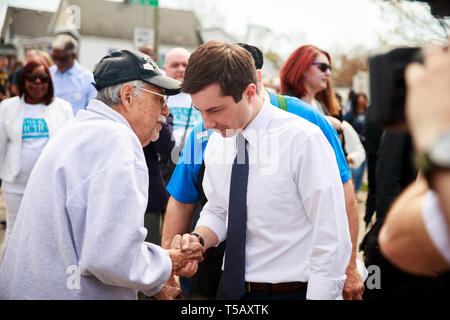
<point x="428" y="97"/>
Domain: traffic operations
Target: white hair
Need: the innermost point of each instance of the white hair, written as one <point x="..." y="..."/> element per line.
<point x="66" y="43"/>
<point x="111" y="95"/>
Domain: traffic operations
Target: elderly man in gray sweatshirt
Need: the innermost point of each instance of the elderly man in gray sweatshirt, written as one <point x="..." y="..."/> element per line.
<point x="79" y="233"/>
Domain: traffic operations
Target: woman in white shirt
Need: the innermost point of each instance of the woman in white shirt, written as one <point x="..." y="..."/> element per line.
<point x="26" y="123"/>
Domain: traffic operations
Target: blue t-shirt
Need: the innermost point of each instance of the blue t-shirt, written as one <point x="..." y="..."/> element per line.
<point x="183" y="185"/>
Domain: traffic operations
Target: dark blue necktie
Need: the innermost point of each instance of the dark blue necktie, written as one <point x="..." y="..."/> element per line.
<point x="232" y="283"/>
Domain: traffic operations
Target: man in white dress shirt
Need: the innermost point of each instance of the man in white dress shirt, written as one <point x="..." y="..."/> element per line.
<point x="295" y="241"/>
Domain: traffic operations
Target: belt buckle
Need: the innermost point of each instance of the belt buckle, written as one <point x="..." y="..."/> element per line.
<point x="247" y="286"/>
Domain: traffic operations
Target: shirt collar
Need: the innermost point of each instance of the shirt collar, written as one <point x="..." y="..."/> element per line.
<point x="99" y="107"/>
<point x="259" y="124"/>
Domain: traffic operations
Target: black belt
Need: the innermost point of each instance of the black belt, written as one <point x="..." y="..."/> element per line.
<point x="275" y="287"/>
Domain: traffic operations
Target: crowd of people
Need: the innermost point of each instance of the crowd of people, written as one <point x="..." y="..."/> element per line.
<point x="197" y="181"/>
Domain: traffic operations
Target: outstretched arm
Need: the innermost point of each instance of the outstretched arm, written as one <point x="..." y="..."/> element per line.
<point x="404" y="239"/>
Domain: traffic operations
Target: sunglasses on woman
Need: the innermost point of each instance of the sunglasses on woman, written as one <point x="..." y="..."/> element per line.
<point x="322" y="66"/>
<point x="33" y="77"/>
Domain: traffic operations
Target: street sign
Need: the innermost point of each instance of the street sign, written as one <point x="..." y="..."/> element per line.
<point x="143" y="36"/>
<point x="153" y="3"/>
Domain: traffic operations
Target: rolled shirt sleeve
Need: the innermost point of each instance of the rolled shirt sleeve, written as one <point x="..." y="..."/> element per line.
<point x="214" y="213"/>
<point x="321" y="189"/>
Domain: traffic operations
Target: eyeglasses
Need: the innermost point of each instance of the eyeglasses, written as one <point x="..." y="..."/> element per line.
<point x="33" y="77"/>
<point x="63" y="58"/>
<point x="322" y="66"/>
<point x="165" y="97"/>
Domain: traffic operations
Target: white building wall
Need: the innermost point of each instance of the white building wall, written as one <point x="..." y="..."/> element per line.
<point x="92" y="49"/>
<point x="361" y="83"/>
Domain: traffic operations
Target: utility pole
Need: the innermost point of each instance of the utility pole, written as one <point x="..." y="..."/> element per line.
<point x="156" y="26"/>
<point x="155" y="5"/>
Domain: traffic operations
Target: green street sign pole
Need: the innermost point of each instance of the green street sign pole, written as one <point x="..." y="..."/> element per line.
<point x="155" y="5"/>
<point x="156" y="27"/>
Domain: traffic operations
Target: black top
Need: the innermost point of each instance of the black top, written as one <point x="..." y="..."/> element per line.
<point x="157" y="193"/>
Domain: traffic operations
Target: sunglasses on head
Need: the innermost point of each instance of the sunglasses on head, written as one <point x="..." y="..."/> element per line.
<point x="322" y="66"/>
<point x="33" y="77"/>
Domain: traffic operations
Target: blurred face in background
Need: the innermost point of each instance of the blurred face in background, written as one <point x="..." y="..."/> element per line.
<point x="150" y="51"/>
<point x="30" y="54"/>
<point x="175" y="63"/>
<point x="315" y="79"/>
<point x="3" y="63"/>
<point x="362" y="101"/>
<point x="36" y="85"/>
<point x="63" y="59"/>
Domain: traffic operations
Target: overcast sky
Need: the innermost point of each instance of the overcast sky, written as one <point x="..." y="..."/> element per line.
<point x="283" y="25"/>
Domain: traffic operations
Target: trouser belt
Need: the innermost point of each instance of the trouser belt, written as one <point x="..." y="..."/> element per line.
<point x="275" y="287"/>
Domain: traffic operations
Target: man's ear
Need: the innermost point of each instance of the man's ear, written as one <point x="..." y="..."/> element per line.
<point x="127" y="96"/>
<point x="250" y="92"/>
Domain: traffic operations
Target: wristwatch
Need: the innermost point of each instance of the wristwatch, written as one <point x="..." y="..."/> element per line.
<point x="436" y="158"/>
<point x="200" y="239"/>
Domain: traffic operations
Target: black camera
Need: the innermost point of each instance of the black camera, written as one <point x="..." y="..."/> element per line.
<point x="387" y="82"/>
<point x="387" y="87"/>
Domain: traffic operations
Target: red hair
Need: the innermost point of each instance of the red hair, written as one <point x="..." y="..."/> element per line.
<point x="29" y="68"/>
<point x="292" y="76"/>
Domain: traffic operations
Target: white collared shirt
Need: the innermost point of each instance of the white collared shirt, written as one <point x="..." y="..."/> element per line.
<point x="297" y="227"/>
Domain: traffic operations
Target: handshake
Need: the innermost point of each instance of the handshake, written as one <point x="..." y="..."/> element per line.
<point x="185" y="252"/>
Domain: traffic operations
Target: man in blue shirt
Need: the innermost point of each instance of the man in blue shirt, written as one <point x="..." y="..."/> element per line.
<point x="72" y="81"/>
<point x="186" y="190"/>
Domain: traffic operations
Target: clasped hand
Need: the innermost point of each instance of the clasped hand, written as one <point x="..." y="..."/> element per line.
<point x="185" y="252"/>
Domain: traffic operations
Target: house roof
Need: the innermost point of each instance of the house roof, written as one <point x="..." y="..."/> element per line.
<point x="26" y="22"/>
<point x="118" y="20"/>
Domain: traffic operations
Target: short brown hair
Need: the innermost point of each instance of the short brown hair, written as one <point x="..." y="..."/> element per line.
<point x="229" y="65"/>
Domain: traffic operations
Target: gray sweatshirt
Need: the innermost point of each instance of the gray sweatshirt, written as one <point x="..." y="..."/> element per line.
<point x="79" y="233"/>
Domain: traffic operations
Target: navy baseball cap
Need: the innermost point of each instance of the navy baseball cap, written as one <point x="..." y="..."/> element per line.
<point x="124" y="65"/>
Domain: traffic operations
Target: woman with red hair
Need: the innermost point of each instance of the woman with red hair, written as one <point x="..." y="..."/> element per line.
<point x="27" y="122"/>
<point x="306" y="75"/>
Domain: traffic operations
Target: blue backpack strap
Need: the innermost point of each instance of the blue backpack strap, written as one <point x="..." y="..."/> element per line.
<point x="282" y="104"/>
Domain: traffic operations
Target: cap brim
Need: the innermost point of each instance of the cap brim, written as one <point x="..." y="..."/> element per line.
<point x="171" y="86"/>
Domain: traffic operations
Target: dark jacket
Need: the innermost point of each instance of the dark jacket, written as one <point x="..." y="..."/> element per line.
<point x="395" y="169"/>
<point x="373" y="137"/>
<point x="394" y="172"/>
<point x="157" y="193"/>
